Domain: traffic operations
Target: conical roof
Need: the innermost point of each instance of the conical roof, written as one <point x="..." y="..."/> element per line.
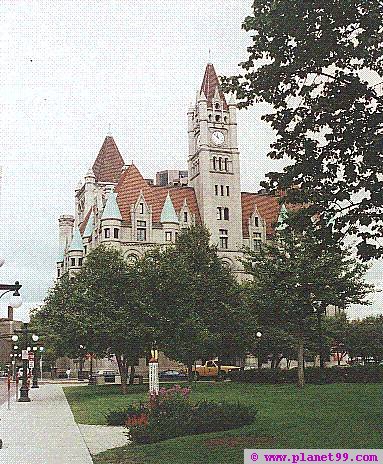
<point x="109" y="162"/>
<point x="76" y="244"/>
<point x="111" y="210"/>
<point x="210" y="84"/>
<point x="168" y="213"/>
<point x="89" y="226"/>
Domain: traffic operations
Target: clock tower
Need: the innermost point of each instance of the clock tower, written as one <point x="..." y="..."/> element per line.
<point x="214" y="165"/>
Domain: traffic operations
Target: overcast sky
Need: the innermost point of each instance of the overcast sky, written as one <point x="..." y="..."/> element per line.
<point x="68" y="70"/>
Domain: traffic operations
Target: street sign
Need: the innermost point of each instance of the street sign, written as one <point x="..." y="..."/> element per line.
<point x="24" y="354"/>
<point x="31" y="364"/>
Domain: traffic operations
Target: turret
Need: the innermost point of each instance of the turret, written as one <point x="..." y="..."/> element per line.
<point x="66" y="223"/>
<point x="169" y="220"/>
<point x="111" y="220"/>
<point x="90" y="181"/>
<point x="75" y="251"/>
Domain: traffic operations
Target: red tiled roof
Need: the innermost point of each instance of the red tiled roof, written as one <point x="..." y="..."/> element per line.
<point x="109" y="162"/>
<point x="268" y="207"/>
<point x="209" y="84"/>
<point x="132" y="182"/>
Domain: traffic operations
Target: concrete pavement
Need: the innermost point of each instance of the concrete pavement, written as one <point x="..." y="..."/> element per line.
<point x="42" y="431"/>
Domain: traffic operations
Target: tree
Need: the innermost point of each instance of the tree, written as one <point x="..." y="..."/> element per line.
<point x="293" y="274"/>
<point x="337" y="329"/>
<point x="366" y="339"/>
<point x="319" y="64"/>
<point x="195" y="299"/>
<point x="101" y="308"/>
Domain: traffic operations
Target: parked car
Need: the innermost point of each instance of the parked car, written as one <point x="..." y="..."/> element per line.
<point x="3" y="374"/>
<point x="210" y="370"/>
<point x="109" y="376"/>
<point x="172" y="375"/>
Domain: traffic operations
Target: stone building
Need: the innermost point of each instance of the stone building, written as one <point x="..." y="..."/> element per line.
<point x="115" y="205"/>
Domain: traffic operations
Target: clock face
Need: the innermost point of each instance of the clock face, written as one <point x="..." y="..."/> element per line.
<point x="217" y="138"/>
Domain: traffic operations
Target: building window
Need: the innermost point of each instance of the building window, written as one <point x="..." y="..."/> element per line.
<point x="227" y="190"/>
<point x="168" y="236"/>
<point x="175" y="235"/>
<point x="222" y="189"/>
<point x="214" y="163"/>
<point x="256" y="221"/>
<point x="220" y="163"/>
<point x="217" y="106"/>
<point x="226" y="214"/>
<point x="223" y="239"/>
<point x="217" y="117"/>
<point x="116" y="233"/>
<point x="219" y="213"/>
<point x="185" y="216"/>
<point x="141" y="231"/>
<point x="80" y="262"/>
<point x="58" y="272"/>
<point x="107" y="233"/>
<point x="225" y="162"/>
<point x="141" y="208"/>
<point x="257" y="239"/>
<point x="216" y="189"/>
<point x="73" y="262"/>
<point x="85" y="249"/>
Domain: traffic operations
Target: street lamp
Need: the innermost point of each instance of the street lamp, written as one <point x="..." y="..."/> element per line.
<point x="259" y="335"/>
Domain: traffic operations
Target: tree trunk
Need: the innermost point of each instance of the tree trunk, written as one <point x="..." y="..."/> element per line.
<point x="301" y="371"/>
<point x="132" y="372"/>
<point x="123" y="368"/>
<point x="190" y="370"/>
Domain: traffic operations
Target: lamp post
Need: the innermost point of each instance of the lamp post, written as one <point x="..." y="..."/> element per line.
<point x="25" y="355"/>
<point x="35" y="383"/>
<point x="259" y="336"/>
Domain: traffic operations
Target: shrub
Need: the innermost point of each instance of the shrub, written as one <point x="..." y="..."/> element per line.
<point x="119" y="416"/>
<point x="353" y="374"/>
<point x="172" y="414"/>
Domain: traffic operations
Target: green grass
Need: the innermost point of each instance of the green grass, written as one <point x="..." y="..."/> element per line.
<point x="319" y="416"/>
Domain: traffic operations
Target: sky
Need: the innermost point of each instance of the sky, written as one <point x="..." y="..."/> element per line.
<point x="69" y="71"/>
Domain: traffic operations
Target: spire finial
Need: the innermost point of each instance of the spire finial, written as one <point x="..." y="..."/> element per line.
<point x="209" y="55"/>
<point x="109" y="130"/>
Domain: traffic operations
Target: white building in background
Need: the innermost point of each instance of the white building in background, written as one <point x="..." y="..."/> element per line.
<point x="116" y="205"/>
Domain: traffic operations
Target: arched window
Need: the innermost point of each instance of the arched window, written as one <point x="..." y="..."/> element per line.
<point x="226" y="214"/>
<point x="225" y="162"/>
<point x="214" y="163"/>
<point x="220" y="163"/>
<point x="217" y="106"/>
<point x="209" y="116"/>
<point x="217" y="117"/>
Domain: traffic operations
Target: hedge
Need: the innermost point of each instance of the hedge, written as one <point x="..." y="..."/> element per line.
<point x="315" y="375"/>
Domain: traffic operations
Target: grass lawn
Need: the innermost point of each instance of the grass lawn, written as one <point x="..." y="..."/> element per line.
<point x="319" y="416"/>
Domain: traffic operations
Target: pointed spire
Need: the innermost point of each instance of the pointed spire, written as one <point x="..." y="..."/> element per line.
<point x="209" y="85"/>
<point x="111" y="210"/>
<point x="233" y="100"/>
<point x="202" y="96"/>
<point x="76" y="244"/>
<point x="78" y="187"/>
<point x="168" y="213"/>
<point x="283" y="215"/>
<point x="89" y="226"/>
<point x="109" y="162"/>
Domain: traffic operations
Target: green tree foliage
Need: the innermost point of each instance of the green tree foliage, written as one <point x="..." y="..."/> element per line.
<point x="195" y="299"/>
<point x="295" y="273"/>
<point x="101" y="308"/>
<point x="319" y="64"/>
<point x="365" y="339"/>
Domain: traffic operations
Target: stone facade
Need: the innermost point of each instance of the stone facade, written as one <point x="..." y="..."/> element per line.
<point x="117" y="206"/>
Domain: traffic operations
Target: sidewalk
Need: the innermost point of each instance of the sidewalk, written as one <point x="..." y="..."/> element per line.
<point x="42" y="431"/>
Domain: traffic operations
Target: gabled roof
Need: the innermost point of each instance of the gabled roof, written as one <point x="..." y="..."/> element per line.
<point x="268" y="207"/>
<point x="168" y="213"/>
<point x="76" y="244"/>
<point x="209" y="84"/>
<point x="132" y="183"/>
<point x="109" y="162"/>
<point x="111" y="209"/>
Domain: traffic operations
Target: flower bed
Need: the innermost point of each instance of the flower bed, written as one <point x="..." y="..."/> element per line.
<point x="171" y="414"/>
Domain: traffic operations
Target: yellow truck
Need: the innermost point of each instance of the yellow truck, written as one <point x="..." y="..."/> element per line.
<point x="210" y="369"/>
